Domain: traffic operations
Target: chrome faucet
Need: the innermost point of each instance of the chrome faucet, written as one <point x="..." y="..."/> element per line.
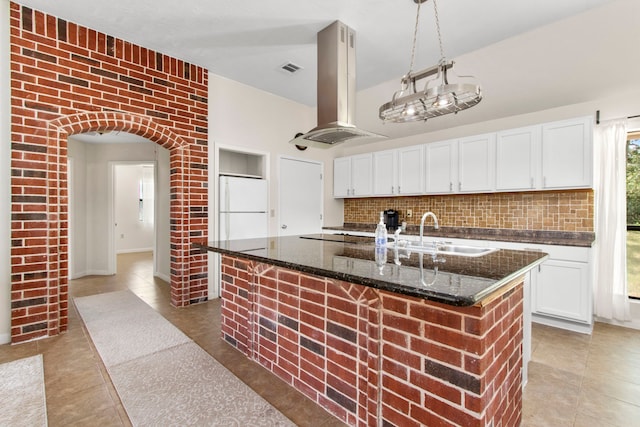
<point x="435" y="225"/>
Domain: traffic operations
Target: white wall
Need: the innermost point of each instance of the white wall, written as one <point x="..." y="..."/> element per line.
<point x="162" y="254"/>
<point x="134" y="229"/>
<point x="245" y="117"/>
<point x="5" y="177"/>
<point x="78" y="203"/>
<point x="583" y="58"/>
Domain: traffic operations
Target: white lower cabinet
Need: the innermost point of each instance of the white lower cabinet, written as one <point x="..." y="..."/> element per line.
<point x="561" y="293"/>
<point x="560" y="290"/>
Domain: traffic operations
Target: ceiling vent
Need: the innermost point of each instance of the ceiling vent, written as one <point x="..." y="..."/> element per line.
<point x="290" y="67"/>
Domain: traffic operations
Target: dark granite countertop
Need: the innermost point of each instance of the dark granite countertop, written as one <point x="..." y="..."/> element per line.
<point x="450" y="279"/>
<point x="560" y="238"/>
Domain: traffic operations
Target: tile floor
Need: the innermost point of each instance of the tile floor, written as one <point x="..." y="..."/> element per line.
<point x="575" y="380"/>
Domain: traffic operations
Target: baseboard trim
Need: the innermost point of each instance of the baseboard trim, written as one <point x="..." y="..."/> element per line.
<point x="583" y="328"/>
<point x="633" y="324"/>
<point x="5" y="338"/>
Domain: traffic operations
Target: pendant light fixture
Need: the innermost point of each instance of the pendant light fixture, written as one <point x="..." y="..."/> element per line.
<point x="438" y="96"/>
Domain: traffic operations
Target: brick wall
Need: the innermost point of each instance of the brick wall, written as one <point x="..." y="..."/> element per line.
<point x="535" y="210"/>
<point x="67" y="79"/>
<point x="376" y="358"/>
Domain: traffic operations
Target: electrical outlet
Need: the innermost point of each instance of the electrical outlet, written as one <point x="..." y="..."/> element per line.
<point x="409" y="213"/>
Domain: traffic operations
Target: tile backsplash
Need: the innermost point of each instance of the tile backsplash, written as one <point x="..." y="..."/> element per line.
<point x="571" y="210"/>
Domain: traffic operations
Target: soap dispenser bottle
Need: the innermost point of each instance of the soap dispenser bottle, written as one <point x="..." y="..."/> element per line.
<point x="381" y="232"/>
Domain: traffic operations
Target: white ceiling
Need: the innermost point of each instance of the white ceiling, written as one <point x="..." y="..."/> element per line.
<point x="249" y="40"/>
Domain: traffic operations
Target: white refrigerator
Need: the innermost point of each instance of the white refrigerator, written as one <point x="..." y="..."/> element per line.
<point x="242" y="208"/>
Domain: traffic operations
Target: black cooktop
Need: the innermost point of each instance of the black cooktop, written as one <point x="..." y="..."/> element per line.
<point x="342" y="238"/>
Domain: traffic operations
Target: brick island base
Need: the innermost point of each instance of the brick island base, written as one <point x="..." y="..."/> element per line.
<point x="376" y="358"/>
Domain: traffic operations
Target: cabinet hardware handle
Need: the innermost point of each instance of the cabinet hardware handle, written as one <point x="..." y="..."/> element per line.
<point x="532" y="182"/>
<point x="399" y="189"/>
<point x="450" y="186"/>
<point x="392" y="189"/>
<point x="544" y="181"/>
<point x="460" y="186"/>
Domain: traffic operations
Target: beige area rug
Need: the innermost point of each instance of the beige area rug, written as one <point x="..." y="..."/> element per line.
<point x="162" y="376"/>
<point x="22" y="397"/>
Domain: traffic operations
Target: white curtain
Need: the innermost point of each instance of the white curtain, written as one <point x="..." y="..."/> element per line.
<point x="610" y="279"/>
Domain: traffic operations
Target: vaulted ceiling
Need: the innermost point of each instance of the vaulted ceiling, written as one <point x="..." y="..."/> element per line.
<point x="527" y="55"/>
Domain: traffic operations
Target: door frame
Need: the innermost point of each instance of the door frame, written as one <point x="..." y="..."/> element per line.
<point x="298" y="159"/>
<point x="111" y="207"/>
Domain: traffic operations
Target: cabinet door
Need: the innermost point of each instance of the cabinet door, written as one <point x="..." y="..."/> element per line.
<point x="476" y="163"/>
<point x="410" y="170"/>
<point x="567" y="154"/>
<point x="362" y="175"/>
<point x="342" y="177"/>
<point x="517" y="158"/>
<point x="384" y="173"/>
<point x="562" y="290"/>
<point x="441" y="173"/>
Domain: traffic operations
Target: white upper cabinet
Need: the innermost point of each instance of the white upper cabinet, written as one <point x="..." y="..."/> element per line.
<point x="342" y="177"/>
<point x="476" y="163"/>
<point x="352" y="176"/>
<point x="385" y="173"/>
<point x="567" y="154"/>
<point x="362" y="175"/>
<point x="441" y="171"/>
<point x="518" y="159"/>
<point x="549" y="156"/>
<point x="411" y="170"/>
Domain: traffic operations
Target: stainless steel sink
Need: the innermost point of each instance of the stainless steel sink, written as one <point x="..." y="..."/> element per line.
<point x="465" y="250"/>
<point x="444" y="249"/>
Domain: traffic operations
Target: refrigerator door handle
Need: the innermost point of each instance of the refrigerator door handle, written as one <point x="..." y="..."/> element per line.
<point x="227" y="198"/>
<point x="227" y="226"/>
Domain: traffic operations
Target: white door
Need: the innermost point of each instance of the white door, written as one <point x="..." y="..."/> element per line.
<point x="567" y="154"/>
<point x="476" y="160"/>
<point x="300" y="196"/>
<point x="342" y="177"/>
<point x="517" y="157"/>
<point x="384" y="173"/>
<point x="362" y="175"/>
<point x="410" y="170"/>
<point x="243" y="225"/>
<point x="441" y="172"/>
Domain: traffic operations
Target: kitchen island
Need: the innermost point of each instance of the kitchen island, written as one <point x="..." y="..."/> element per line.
<point x="381" y="337"/>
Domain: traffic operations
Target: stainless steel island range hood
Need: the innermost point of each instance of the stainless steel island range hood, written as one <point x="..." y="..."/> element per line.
<point x="336" y="90"/>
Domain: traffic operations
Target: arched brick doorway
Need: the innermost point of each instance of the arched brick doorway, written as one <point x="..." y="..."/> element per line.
<point x="188" y="266"/>
<point x="68" y="79"/>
